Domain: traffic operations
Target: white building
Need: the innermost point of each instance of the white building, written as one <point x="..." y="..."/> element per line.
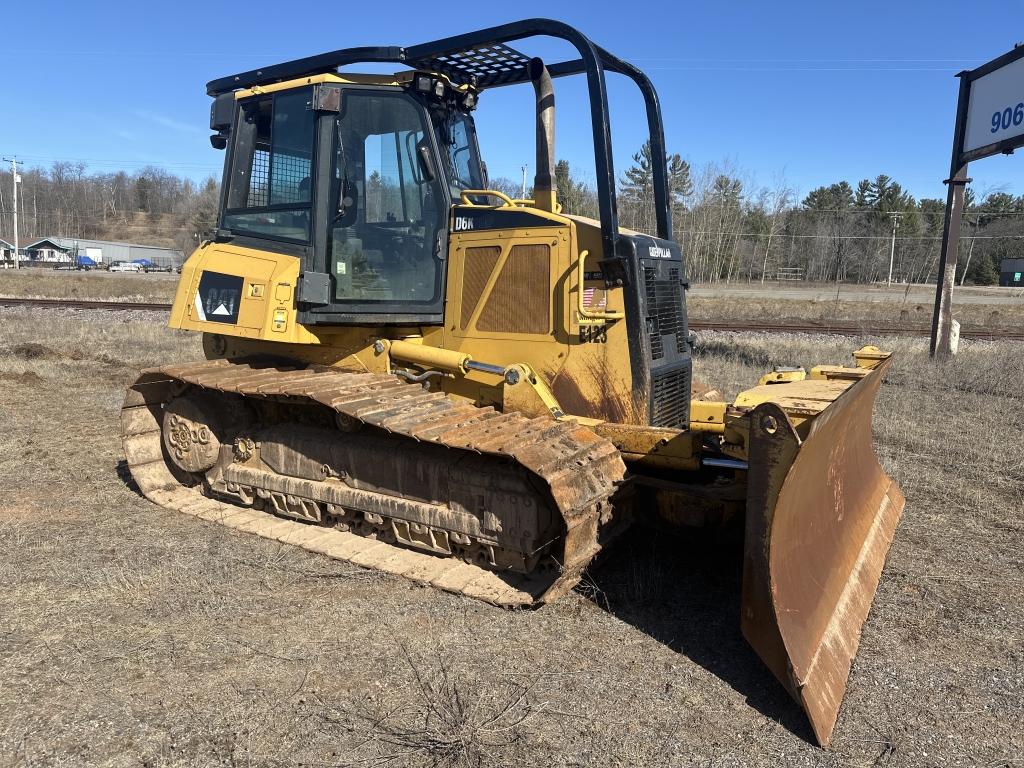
<point x="65" y="249"/>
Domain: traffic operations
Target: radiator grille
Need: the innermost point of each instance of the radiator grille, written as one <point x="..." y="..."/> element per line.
<point x="479" y="264"/>
<point x="520" y="301"/>
<point x="664" y="309"/>
<point x="670" y="396"/>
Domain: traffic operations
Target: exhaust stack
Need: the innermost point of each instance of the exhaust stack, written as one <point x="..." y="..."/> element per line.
<point x="544" y="180"/>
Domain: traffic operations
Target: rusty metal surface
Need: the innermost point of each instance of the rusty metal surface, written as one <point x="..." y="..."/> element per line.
<point x="821" y="514"/>
<point x="579" y="470"/>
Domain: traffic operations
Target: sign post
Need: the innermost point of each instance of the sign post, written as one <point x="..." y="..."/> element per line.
<point x="989" y="121"/>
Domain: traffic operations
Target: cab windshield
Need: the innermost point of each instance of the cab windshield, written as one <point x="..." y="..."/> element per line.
<point x="458" y="135"/>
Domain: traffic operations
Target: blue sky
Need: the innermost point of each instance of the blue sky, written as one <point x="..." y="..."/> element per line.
<point x="803" y="92"/>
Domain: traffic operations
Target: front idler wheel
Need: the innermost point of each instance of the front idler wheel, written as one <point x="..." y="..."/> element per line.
<point x="190" y="428"/>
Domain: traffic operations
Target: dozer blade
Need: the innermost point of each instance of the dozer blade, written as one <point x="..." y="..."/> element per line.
<point x="821" y="514"/>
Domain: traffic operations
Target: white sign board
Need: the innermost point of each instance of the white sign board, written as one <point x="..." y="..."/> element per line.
<point x="995" y="109"/>
<point x="96" y="254"/>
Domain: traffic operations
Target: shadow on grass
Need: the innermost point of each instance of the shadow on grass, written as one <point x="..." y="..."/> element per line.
<point x="125" y="476"/>
<point x="684" y="591"/>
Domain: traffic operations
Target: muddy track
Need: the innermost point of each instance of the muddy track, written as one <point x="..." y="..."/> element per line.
<point x="579" y="470"/>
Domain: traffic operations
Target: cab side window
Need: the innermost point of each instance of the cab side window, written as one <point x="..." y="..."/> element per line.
<point x="271" y="185"/>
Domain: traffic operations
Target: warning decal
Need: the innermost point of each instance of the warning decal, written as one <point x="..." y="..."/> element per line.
<point x="218" y="297"/>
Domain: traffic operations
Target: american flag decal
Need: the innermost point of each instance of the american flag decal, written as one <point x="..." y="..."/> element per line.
<point x="588" y="299"/>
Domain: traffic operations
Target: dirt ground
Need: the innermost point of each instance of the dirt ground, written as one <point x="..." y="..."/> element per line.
<point x="131" y="636"/>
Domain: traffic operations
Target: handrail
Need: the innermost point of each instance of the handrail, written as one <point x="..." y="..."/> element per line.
<point x="507" y="201"/>
<point x="585" y="315"/>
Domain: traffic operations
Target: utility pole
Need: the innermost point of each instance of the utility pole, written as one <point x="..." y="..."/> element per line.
<point x="892" y="251"/>
<point x="523" y="195"/>
<point x="15" y="181"/>
<point x="943" y="344"/>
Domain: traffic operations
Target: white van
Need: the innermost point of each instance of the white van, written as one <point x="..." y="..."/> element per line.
<point x="125" y="266"/>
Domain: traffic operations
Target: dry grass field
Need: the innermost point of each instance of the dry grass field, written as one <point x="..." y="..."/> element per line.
<point x="888" y="308"/>
<point x="37" y="283"/>
<point x="889" y="313"/>
<point x="131" y="636"/>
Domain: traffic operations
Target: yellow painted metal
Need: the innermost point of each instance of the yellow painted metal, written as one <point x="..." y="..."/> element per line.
<point x="654" y="447"/>
<point x="867" y="358"/>
<point x="525" y="392"/>
<point x="416" y="352"/>
<point x="870" y="356"/>
<point x="779" y="377"/>
<point x="348" y="78"/>
<point x="838" y="372"/>
<point x="588" y="377"/>
<point x="467" y="196"/>
<point x="266" y="309"/>
<point x="345" y="78"/>
<point x="801" y="400"/>
<point x="707" y="416"/>
<point x="546" y="200"/>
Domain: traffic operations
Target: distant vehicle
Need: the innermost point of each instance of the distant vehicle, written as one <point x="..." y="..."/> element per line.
<point x="80" y="263"/>
<point x="125" y="266"/>
<point x="149" y="266"/>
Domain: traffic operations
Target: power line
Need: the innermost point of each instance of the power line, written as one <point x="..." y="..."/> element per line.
<point x="804" y="69"/>
<point x="854" y="237"/>
<point x="804" y="211"/>
<point x="116" y="162"/>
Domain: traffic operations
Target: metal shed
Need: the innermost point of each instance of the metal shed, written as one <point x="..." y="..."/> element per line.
<point x="106" y="252"/>
<point x="1011" y="273"/>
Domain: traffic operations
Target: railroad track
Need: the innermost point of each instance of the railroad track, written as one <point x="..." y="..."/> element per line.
<point x="84" y="304"/>
<point x="835" y="329"/>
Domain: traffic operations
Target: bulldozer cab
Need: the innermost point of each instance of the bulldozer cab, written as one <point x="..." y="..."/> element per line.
<point x="391" y="159"/>
<point x="370" y="216"/>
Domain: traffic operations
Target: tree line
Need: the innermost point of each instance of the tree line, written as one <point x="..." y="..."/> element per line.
<point x="151" y="206"/>
<point x="730" y="230"/>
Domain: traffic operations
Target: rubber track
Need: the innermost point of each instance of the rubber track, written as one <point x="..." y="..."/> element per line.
<point x="581" y="470"/>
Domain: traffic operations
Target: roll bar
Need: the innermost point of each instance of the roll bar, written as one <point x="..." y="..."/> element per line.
<point x="482" y="59"/>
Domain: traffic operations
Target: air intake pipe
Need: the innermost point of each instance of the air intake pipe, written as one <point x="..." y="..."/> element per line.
<point x="544" y="181"/>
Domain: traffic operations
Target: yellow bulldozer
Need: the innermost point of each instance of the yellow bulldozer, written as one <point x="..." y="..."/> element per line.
<point x="415" y="373"/>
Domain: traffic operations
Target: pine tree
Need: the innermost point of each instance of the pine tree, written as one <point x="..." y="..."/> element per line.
<point x="836" y="197"/>
<point x="572" y="194"/>
<point x="638" y="183"/>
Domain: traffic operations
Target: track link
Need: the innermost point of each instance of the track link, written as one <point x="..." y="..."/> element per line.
<point x="580" y="470"/>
